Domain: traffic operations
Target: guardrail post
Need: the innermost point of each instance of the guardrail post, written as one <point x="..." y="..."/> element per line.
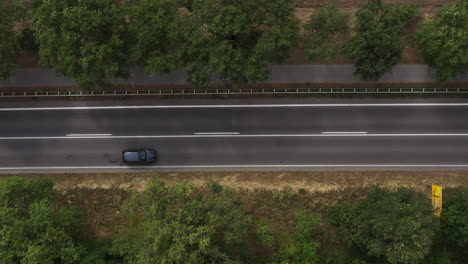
<point x="424" y="90"/>
<point x="320" y="90"/>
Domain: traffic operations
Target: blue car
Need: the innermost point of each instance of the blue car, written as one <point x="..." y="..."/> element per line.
<point x="139" y="156"/>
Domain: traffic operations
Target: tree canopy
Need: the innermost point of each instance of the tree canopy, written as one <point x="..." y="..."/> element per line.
<point x="85" y="40"/>
<point x="181" y="224"/>
<point x="443" y="41"/>
<point x="238" y="39"/>
<point x="377" y="45"/>
<point x="396" y="226"/>
<point x="300" y="248"/>
<point x="155" y="29"/>
<point x="31" y="230"/>
<point x="326" y="33"/>
<point x="454" y="219"/>
<point x="11" y="14"/>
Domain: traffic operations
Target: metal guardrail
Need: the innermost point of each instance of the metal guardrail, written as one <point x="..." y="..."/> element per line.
<point x="274" y="91"/>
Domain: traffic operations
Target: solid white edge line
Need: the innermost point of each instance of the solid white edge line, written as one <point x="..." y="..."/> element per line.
<point x="235" y="136"/>
<point x="216" y="133"/>
<point x="225" y="106"/>
<point x="88" y="135"/>
<point x="247" y="166"/>
<point x="359" y="132"/>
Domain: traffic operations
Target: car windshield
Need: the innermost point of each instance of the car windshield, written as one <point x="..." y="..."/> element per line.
<point x="142" y="155"/>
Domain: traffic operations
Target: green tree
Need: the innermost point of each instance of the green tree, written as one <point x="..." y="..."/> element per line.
<point x="396" y="226"/>
<point x="377" y="45"/>
<point x="184" y="224"/>
<point x="11" y="14"/>
<point x="85" y="40"/>
<point x="454" y="219"/>
<point x="326" y="33"/>
<point x="156" y="34"/>
<point x="238" y="39"/>
<point x="31" y="230"/>
<point x="300" y="248"/>
<point x="443" y="41"/>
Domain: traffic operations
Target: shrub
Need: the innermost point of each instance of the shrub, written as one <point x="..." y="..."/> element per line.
<point x="396" y="226"/>
<point x="326" y="33"/>
<point x="443" y="41"/>
<point x="377" y="45"/>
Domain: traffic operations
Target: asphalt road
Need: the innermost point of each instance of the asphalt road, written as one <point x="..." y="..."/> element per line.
<point x="255" y="136"/>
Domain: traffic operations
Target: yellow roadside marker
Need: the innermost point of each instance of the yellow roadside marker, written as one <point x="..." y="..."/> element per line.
<point x="437" y="199"/>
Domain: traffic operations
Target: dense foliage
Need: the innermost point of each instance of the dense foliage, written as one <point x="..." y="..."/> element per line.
<point x="444" y="40"/>
<point x="300" y="247"/>
<point x="326" y="33"/>
<point x="156" y="34"/>
<point x="454" y="219"/>
<point x="94" y="41"/>
<point x="86" y="40"/>
<point x="183" y="223"/>
<point x="31" y="230"/>
<point x="377" y="45"/>
<point x="396" y="226"/>
<point x="11" y="14"/>
<point x="238" y="39"/>
<point x="180" y="224"/>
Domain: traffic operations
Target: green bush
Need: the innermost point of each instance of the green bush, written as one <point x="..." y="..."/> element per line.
<point x="11" y="12"/>
<point x="326" y="33"/>
<point x="300" y="247"/>
<point x="85" y="40"/>
<point x="184" y="224"/>
<point x="443" y="41"/>
<point x="454" y="219"/>
<point x="237" y="39"/>
<point x="377" y="45"/>
<point x="396" y="226"/>
<point x="31" y="230"/>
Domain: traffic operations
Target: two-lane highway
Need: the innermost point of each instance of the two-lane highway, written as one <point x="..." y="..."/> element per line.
<point x="232" y="136"/>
